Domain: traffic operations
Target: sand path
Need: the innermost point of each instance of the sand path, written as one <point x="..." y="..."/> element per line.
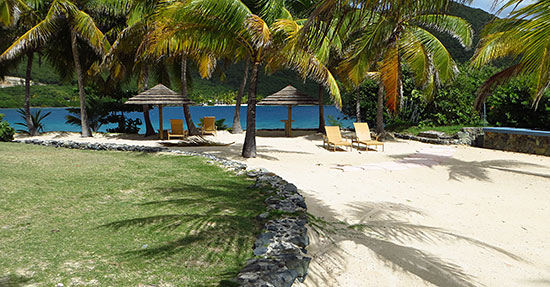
<point x="464" y="217"/>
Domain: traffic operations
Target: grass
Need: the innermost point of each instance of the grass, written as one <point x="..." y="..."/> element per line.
<point x="415" y="130"/>
<point x="121" y="219"/>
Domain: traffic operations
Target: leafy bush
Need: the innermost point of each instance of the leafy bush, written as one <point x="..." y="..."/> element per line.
<point x="511" y="106"/>
<point x="105" y="110"/>
<point x="450" y="105"/>
<point x="128" y="126"/>
<point x="6" y="132"/>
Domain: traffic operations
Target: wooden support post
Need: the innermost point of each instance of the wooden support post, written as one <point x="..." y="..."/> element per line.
<point x="161" y="132"/>
<point x="289" y="123"/>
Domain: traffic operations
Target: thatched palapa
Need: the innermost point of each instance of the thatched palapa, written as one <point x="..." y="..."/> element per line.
<point x="160" y="96"/>
<point x="289" y="96"/>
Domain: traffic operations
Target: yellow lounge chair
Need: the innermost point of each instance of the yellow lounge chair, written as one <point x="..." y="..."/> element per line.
<point x="209" y="125"/>
<point x="362" y="136"/>
<point x="177" y="129"/>
<point x="334" y="138"/>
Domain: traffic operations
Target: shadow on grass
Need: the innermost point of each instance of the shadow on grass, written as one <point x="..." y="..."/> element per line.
<point x="380" y="230"/>
<point x="213" y="225"/>
<point x="13" y="281"/>
<point x="478" y="170"/>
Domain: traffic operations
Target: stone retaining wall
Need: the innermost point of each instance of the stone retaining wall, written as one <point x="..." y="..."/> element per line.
<point x="466" y="136"/>
<point x="280" y="249"/>
<point x="518" y="143"/>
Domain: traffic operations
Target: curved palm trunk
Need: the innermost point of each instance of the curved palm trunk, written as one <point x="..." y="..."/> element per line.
<point x="30" y="124"/>
<point x="358" y="105"/>
<point x="321" y="110"/>
<point x="149" y="130"/>
<point x="249" y="147"/>
<point x="380" y="110"/>
<point x="86" y="131"/>
<point x="237" y="129"/>
<point x="186" y="112"/>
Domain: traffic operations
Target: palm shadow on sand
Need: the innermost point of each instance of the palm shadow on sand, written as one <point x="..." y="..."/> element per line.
<point x="380" y="230"/>
<point x="479" y="170"/>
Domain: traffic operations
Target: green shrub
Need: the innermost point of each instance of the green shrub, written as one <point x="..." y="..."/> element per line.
<point x="511" y="105"/>
<point x="6" y="132"/>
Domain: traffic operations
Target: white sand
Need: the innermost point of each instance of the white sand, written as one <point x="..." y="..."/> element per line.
<point x="463" y="217"/>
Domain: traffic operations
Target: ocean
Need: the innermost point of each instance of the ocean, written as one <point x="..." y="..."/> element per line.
<point x="267" y="117"/>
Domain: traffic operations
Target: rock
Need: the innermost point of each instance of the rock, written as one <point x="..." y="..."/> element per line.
<point x="433" y="135"/>
<point x="291" y="188"/>
<point x="263" y="216"/>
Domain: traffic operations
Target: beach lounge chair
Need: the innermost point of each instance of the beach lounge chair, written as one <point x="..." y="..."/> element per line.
<point x="209" y="125"/>
<point x="362" y="136"/>
<point x="334" y="138"/>
<point x="177" y="129"/>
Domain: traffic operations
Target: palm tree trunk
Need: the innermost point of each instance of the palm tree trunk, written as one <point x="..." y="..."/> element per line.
<point x="358" y="105"/>
<point x="30" y="124"/>
<point x="186" y="112"/>
<point x="249" y="147"/>
<point x="237" y="129"/>
<point x="380" y="110"/>
<point x="149" y="130"/>
<point x="321" y="110"/>
<point x="86" y="131"/>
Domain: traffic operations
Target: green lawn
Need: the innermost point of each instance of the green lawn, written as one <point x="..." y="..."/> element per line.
<point x="449" y="130"/>
<point x="121" y="219"/>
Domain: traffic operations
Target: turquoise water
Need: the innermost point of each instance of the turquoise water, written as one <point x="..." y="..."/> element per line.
<point x="267" y="117"/>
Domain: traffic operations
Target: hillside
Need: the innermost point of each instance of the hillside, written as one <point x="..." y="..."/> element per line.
<point x="215" y="88"/>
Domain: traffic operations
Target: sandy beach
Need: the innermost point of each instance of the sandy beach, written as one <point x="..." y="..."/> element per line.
<point x="413" y="215"/>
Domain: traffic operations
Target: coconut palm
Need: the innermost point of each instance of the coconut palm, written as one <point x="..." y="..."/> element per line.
<point x="309" y="64"/>
<point x="384" y="43"/>
<point x="523" y="36"/>
<point x="228" y="25"/>
<point x="65" y="13"/>
<point x="20" y="16"/>
<point x="123" y="61"/>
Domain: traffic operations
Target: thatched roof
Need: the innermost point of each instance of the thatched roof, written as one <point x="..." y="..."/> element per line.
<point x="160" y="95"/>
<point x="289" y="96"/>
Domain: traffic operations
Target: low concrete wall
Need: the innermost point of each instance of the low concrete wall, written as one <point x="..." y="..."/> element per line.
<point x="517" y="140"/>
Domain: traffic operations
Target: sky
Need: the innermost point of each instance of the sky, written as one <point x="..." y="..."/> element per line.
<point x="487" y="6"/>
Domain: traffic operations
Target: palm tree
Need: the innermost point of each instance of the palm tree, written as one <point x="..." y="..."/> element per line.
<point x="221" y="26"/>
<point x="22" y="16"/>
<point x="123" y="60"/>
<point x="525" y="37"/>
<point x="65" y="13"/>
<point x="385" y="43"/>
<point x="310" y="64"/>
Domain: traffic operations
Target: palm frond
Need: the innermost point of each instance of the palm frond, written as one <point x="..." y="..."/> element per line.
<point x="501" y="77"/>
<point x="389" y="75"/>
<point x="455" y="26"/>
<point x="442" y="61"/>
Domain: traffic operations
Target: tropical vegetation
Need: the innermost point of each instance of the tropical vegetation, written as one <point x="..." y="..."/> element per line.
<point x="369" y="50"/>
<point x="6" y="131"/>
